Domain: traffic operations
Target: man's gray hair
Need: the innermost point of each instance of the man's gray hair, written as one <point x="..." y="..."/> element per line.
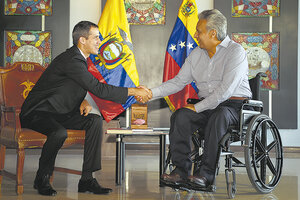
<point x="215" y="20"/>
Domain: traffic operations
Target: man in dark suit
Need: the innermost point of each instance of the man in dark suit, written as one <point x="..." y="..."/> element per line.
<point x="56" y="103"/>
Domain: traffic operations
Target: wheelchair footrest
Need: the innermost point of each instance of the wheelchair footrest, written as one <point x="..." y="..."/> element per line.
<point x="176" y="186"/>
<point x="187" y="186"/>
<point x="210" y="188"/>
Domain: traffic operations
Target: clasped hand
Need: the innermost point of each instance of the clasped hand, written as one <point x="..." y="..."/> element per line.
<point x="143" y="94"/>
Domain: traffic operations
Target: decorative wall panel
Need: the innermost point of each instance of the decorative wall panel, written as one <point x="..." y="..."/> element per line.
<point x="263" y="55"/>
<point x="28" y="7"/>
<point x="27" y="46"/>
<point x="147" y="12"/>
<point x="255" y="8"/>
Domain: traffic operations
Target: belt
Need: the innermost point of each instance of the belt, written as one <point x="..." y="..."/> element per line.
<point x="238" y="98"/>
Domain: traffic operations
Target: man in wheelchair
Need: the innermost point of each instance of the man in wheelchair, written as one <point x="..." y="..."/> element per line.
<point x="219" y="69"/>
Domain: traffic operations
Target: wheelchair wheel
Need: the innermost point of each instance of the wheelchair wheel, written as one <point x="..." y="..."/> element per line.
<point x="231" y="189"/>
<point x="230" y="182"/>
<point x="263" y="153"/>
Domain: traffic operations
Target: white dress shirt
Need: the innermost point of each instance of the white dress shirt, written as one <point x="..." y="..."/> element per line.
<point x="217" y="78"/>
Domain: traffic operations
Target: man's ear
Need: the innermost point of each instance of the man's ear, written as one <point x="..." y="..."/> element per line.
<point x="213" y="33"/>
<point x="82" y="40"/>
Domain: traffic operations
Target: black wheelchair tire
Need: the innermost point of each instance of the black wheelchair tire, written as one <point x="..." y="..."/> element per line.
<point x="257" y="158"/>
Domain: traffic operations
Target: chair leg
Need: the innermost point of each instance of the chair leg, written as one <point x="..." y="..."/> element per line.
<point x="2" y="157"/>
<point x="20" y="166"/>
<point x="2" y="162"/>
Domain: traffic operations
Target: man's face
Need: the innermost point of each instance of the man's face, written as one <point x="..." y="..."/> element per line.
<point x="202" y="35"/>
<point x="92" y="42"/>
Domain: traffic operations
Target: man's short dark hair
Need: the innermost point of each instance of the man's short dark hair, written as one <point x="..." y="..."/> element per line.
<point x="82" y="29"/>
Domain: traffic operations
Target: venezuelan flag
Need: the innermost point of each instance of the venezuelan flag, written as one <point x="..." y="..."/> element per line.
<point x="115" y="62"/>
<point x="180" y="45"/>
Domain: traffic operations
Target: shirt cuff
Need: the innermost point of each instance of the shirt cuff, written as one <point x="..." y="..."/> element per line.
<point x="199" y="107"/>
<point x="156" y="92"/>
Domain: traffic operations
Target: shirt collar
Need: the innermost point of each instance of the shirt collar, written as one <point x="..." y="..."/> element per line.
<point x="225" y="42"/>
<point x="82" y="53"/>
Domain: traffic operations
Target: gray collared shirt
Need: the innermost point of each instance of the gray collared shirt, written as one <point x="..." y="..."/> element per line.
<point x="217" y="78"/>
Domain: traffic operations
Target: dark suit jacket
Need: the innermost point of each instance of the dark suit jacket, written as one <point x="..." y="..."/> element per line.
<point x="65" y="83"/>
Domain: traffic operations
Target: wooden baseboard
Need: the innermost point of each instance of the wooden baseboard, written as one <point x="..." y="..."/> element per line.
<point x="291" y="149"/>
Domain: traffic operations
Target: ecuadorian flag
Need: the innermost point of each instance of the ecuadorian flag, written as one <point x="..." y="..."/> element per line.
<point x="180" y="45"/>
<point x="115" y="62"/>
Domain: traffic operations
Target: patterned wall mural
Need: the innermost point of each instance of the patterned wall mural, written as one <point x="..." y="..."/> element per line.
<point x="255" y="8"/>
<point x="27" y="46"/>
<point x="145" y="12"/>
<point x="263" y="56"/>
<point x="28" y="7"/>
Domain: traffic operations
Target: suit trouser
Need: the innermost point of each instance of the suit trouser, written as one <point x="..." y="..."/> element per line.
<point x="54" y="127"/>
<point x="214" y="122"/>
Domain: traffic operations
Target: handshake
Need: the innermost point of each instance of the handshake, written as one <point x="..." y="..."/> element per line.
<point x="142" y="94"/>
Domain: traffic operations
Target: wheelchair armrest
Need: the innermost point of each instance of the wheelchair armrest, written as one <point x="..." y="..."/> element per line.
<point x="193" y="101"/>
<point x="254" y="103"/>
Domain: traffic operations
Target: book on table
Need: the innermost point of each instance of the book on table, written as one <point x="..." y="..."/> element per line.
<point x="119" y="131"/>
<point x="142" y="130"/>
<point x="128" y="131"/>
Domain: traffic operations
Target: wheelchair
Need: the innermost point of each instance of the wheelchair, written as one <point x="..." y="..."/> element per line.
<point x="260" y="139"/>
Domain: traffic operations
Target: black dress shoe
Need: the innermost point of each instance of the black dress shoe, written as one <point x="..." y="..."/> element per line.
<point x="173" y="177"/>
<point x="198" y="181"/>
<point x="42" y="184"/>
<point x="92" y="186"/>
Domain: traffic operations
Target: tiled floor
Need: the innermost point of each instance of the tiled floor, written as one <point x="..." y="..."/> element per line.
<point x="141" y="180"/>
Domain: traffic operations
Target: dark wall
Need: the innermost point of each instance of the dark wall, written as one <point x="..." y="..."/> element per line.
<point x="58" y="24"/>
<point x="285" y="99"/>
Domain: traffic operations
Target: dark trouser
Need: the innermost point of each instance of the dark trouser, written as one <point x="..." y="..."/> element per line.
<point x="54" y="127"/>
<point x="214" y="123"/>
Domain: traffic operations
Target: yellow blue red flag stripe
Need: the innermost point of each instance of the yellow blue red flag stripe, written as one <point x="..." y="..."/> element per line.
<point x="181" y="44"/>
<point x="115" y="62"/>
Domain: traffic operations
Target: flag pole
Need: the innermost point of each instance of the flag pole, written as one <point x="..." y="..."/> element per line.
<point x="270" y="91"/>
<point x="43" y="23"/>
<point x="127" y="118"/>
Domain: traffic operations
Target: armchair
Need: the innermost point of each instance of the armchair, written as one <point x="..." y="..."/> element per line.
<point x="16" y="81"/>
